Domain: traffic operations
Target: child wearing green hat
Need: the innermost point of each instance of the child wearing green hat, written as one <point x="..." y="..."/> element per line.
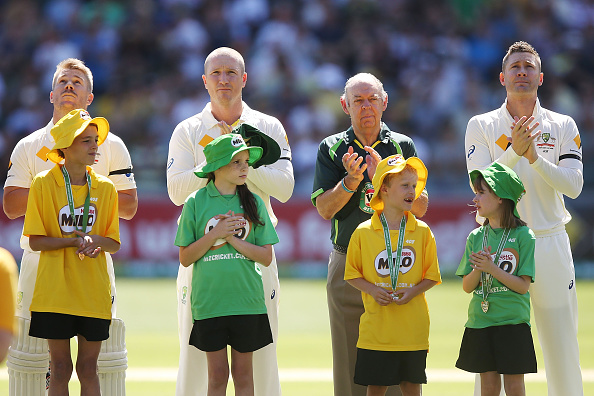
<point x="72" y="218"/>
<point x="392" y="259"/>
<point x="223" y="231"/>
<point x="497" y="268"/>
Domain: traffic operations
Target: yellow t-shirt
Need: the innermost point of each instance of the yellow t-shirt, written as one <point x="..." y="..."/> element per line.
<point x="8" y="282"/>
<point x="393" y="327"/>
<point x="65" y="284"/>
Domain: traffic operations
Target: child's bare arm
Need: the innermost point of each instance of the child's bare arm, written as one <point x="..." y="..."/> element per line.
<point x="407" y="294"/>
<point x="260" y="254"/>
<point x="42" y="242"/>
<point x="94" y="244"/>
<point x="471" y="281"/>
<point x="379" y="294"/>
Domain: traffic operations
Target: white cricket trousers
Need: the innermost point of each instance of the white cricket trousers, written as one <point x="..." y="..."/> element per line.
<point x="192" y="375"/>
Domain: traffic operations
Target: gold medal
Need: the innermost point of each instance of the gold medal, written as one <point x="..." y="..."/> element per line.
<point x="81" y="256"/>
<point x="485" y="306"/>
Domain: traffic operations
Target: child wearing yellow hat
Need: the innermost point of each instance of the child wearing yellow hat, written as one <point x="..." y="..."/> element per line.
<point x="72" y="218"/>
<point x="392" y="259"/>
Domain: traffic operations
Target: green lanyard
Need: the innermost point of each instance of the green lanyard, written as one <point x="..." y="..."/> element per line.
<point x="394" y="267"/>
<point x="486" y="278"/>
<point x="70" y="199"/>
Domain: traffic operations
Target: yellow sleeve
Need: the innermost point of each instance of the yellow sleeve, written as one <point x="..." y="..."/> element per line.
<point x="34" y="214"/>
<point x="112" y="229"/>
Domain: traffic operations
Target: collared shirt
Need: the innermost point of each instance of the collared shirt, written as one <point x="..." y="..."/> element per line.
<point x="65" y="284"/>
<point x="224" y="282"/>
<point x="329" y="172"/>
<point x="517" y="258"/>
<point x="186" y="155"/>
<point x="558" y="171"/>
<point x="393" y="327"/>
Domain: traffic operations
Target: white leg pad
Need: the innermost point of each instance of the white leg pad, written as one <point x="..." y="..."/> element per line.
<point x="113" y="361"/>
<point x="28" y="362"/>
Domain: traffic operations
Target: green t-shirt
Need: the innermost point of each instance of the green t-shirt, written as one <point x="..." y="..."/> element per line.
<point x="224" y="282"/>
<point x="329" y="171"/>
<point x="517" y="258"/>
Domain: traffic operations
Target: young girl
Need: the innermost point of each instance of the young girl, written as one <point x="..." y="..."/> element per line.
<point x="72" y="218"/>
<point x="497" y="338"/>
<point x="224" y="230"/>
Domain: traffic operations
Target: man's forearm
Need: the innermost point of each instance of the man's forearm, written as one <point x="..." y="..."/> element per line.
<point x="127" y="203"/>
<point x="14" y="201"/>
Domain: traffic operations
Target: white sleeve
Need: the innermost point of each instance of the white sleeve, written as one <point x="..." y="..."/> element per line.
<point x="567" y="176"/>
<point x="276" y="179"/>
<point x="19" y="172"/>
<point x="120" y="165"/>
<point x="479" y="150"/>
<point x="181" y="180"/>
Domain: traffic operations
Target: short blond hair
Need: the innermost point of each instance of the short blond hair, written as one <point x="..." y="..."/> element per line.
<point x="74" y="64"/>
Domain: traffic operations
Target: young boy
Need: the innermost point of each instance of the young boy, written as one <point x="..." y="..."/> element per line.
<point x="72" y="218"/>
<point x="393" y="274"/>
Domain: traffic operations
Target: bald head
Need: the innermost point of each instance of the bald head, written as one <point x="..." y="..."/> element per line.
<point x="367" y="78"/>
<point x="225" y="52"/>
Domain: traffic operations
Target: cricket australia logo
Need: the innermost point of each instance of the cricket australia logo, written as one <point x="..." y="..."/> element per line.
<point x="243" y="232"/>
<point x="68" y="223"/>
<point x="545" y="142"/>
<point x="406" y="261"/>
<point x="366" y="195"/>
<point x="184" y="294"/>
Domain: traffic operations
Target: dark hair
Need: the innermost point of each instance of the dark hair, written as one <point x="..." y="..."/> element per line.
<point x="521" y="46"/>
<point x="508" y="218"/>
<point x="247" y="200"/>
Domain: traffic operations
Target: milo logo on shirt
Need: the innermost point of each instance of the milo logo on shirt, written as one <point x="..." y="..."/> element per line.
<point x="243" y="232"/>
<point x="508" y="260"/>
<point x="366" y="195"/>
<point x="68" y="223"/>
<point x="406" y="261"/>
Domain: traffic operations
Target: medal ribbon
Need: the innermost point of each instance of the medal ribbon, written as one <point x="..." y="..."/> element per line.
<point x="70" y="199"/>
<point x="394" y="267"/>
<point x="487" y="279"/>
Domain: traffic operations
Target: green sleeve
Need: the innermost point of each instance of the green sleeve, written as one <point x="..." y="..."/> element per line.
<point x="187" y="232"/>
<point x="266" y="234"/>
<point x="464" y="267"/>
<point x="527" y="242"/>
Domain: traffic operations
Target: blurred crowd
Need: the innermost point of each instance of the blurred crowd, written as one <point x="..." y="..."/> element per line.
<point x="439" y="61"/>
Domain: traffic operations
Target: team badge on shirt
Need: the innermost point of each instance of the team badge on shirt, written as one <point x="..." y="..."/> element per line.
<point x="366" y="195"/>
<point x="545" y="142"/>
<point x="406" y="262"/>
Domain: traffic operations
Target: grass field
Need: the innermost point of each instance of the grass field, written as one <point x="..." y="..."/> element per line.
<point x="148" y="308"/>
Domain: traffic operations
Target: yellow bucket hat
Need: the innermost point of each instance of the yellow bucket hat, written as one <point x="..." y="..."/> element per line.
<point x="395" y="164"/>
<point x="72" y="125"/>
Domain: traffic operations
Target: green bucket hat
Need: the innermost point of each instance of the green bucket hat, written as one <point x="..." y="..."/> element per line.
<point x="220" y="151"/>
<point x="504" y="182"/>
<point x="255" y="137"/>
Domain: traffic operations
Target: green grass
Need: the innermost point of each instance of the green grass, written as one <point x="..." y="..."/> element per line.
<point x="148" y="307"/>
